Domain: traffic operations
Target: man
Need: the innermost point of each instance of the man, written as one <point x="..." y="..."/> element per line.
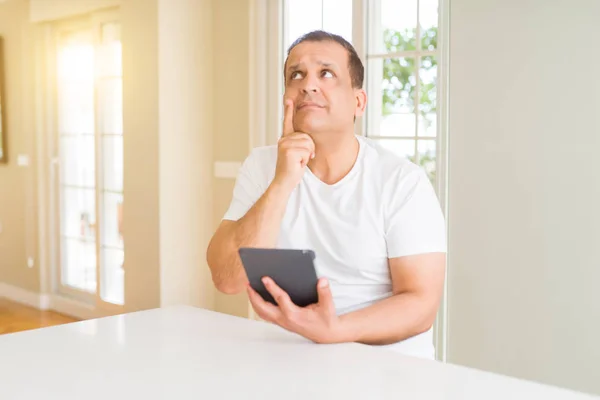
<point x="371" y="217"/>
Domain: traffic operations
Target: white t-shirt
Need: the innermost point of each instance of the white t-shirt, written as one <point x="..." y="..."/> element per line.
<point x="384" y="207"/>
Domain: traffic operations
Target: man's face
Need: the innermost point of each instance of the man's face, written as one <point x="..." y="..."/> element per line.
<point x="317" y="79"/>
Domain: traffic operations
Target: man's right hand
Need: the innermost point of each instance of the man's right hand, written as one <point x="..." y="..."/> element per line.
<point x="294" y="151"/>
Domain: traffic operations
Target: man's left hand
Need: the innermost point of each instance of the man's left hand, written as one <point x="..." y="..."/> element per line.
<point x="317" y="322"/>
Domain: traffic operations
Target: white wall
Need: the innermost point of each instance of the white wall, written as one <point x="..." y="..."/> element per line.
<point x="524" y="199"/>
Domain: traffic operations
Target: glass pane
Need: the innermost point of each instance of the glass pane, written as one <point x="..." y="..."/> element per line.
<point x="110" y="97"/>
<point x="77" y="160"/>
<point x="428" y="19"/>
<point x="113" y="284"/>
<point x="337" y="17"/>
<point x="392" y="26"/>
<point x="302" y="17"/>
<point x="78" y="262"/>
<point x="402" y="147"/>
<point x="76" y="84"/>
<point x="427" y="157"/>
<point x="112" y="227"/>
<point x="76" y="108"/>
<point x="112" y="151"/>
<point x="110" y="61"/>
<point x="78" y="213"/>
<point x="391" y="84"/>
<point x="428" y="97"/>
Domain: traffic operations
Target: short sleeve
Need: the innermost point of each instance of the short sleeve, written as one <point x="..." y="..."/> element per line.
<point x="247" y="189"/>
<point x="414" y="221"/>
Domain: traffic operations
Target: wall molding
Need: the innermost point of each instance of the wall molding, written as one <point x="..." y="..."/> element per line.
<point x="24" y="296"/>
<point x="60" y="304"/>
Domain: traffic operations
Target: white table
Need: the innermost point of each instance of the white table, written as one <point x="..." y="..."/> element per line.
<point x="189" y="353"/>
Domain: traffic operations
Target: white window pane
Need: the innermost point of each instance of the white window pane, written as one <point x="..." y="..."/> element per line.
<point x="401" y="147"/>
<point x="303" y="16"/>
<point x="391" y="85"/>
<point x="113" y="284"/>
<point x="109" y="63"/>
<point x="78" y="213"/>
<point x="110" y="97"/>
<point x="428" y="19"/>
<point x="78" y="259"/>
<point x="337" y="18"/>
<point x="112" y="150"/>
<point x="77" y="160"/>
<point x="76" y="84"/>
<point x="428" y="97"/>
<point x="392" y="25"/>
<point x="76" y="107"/>
<point x="112" y="218"/>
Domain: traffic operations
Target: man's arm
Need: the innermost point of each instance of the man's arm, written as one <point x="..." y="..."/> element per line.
<point x="418" y="284"/>
<point x="258" y="228"/>
<point x="260" y="225"/>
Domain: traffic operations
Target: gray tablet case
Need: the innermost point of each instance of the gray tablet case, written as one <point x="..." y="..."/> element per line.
<point x="292" y="270"/>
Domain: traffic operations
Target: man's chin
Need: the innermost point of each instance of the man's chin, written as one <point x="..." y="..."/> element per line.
<point x="312" y="128"/>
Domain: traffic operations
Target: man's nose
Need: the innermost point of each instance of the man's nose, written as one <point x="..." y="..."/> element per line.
<point x="311" y="84"/>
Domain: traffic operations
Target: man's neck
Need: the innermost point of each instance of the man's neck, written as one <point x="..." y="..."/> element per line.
<point x="334" y="156"/>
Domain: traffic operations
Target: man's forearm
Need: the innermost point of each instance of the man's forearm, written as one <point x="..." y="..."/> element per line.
<point x="258" y="228"/>
<point x="261" y="224"/>
<point x="389" y="321"/>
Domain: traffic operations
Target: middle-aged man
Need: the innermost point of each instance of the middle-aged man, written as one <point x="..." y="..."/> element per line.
<point x="372" y="217"/>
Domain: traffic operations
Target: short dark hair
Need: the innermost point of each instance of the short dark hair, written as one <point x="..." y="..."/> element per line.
<point x="355" y="65"/>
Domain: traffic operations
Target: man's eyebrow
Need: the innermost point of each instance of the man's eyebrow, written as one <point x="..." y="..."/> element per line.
<point x="323" y="63"/>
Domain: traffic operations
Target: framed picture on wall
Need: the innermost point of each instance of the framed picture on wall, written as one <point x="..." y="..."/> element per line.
<point x="3" y="149"/>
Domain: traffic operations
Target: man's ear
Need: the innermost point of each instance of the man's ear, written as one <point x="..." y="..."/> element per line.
<point x="361" y="102"/>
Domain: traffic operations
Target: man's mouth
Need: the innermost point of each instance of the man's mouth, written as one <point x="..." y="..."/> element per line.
<point x="309" y="105"/>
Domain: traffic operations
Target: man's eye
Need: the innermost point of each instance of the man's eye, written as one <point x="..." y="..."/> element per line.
<point x="327" y="74"/>
<point x="295" y="75"/>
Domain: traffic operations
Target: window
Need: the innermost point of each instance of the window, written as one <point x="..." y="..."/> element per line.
<point x="401" y="74"/>
<point x="397" y="41"/>
<point x="90" y="142"/>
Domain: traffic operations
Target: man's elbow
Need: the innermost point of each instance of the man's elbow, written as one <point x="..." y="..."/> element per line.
<point x="228" y="286"/>
<point x="426" y="323"/>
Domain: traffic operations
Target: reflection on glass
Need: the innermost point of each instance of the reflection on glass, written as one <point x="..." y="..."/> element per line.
<point x="112" y="149"/>
<point x="112" y="220"/>
<point x="391" y="114"/>
<point x="426" y="157"/>
<point x="337" y="18"/>
<point x="402" y="147"/>
<point x="398" y="85"/>
<point x="428" y="96"/>
<point x="303" y="16"/>
<point x="428" y="21"/>
<point x="78" y="213"/>
<point x="77" y="160"/>
<point x="113" y="286"/>
<point x="393" y="26"/>
<point x="76" y="83"/>
<point x="110" y="96"/>
<point x="78" y="264"/>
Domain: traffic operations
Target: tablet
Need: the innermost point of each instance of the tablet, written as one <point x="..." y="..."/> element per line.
<point x="292" y="270"/>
